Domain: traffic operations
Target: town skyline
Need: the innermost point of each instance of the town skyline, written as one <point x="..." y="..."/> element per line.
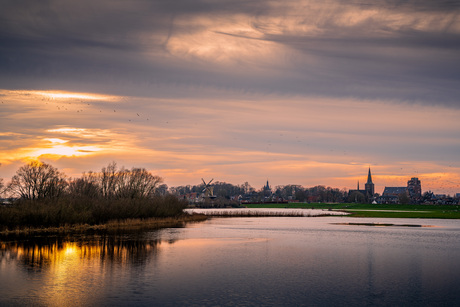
<point x="298" y="92"/>
<point x="369" y="186"/>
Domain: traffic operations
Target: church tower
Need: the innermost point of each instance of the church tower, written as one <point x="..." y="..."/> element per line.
<point x="369" y="186"/>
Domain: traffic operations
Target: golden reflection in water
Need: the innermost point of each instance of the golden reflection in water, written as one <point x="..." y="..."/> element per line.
<point x="69" y="270"/>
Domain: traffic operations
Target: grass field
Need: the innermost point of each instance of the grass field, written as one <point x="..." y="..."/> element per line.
<point x="369" y="210"/>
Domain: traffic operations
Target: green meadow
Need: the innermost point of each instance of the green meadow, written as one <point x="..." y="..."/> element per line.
<point x="370" y="210"/>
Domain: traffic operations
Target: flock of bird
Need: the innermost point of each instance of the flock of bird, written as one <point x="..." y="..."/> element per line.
<point x="77" y="106"/>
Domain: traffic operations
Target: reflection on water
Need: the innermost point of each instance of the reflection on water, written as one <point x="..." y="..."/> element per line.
<point x="41" y="252"/>
<point x="66" y="271"/>
<point x="289" y="261"/>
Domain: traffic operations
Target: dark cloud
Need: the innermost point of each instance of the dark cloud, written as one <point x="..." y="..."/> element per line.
<point x="408" y="51"/>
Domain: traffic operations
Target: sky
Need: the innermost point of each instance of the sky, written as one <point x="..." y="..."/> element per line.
<point x="293" y="92"/>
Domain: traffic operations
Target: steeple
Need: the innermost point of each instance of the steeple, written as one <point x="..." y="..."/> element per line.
<point x="369" y="186"/>
<point x="267" y="187"/>
<point x="358" y="186"/>
<point x="369" y="177"/>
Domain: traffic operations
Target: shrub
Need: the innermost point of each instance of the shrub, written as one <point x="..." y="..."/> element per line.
<point x="63" y="211"/>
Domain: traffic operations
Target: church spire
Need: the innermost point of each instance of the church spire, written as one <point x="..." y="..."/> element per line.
<point x="369" y="186"/>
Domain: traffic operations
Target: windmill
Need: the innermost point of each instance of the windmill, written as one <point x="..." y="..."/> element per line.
<point x="208" y="190"/>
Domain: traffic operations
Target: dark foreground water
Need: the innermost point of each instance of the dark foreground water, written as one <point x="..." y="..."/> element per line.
<point x="289" y="261"/>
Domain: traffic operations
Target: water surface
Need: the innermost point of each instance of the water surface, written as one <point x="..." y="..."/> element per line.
<point x="274" y="261"/>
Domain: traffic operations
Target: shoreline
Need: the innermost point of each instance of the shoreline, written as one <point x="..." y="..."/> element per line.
<point x="111" y="226"/>
<point x="350" y="210"/>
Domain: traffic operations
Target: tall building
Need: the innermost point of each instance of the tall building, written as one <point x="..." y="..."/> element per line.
<point x="414" y="187"/>
<point x="369" y="186"/>
<point x="267" y="190"/>
<point x="267" y="187"/>
<point x="368" y="191"/>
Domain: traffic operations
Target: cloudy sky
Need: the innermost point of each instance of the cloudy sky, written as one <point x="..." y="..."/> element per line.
<point x="296" y="92"/>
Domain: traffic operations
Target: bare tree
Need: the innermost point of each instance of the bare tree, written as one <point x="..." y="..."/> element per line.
<point x="109" y="178"/>
<point x="37" y="180"/>
<point x="162" y="189"/>
<point x="124" y="183"/>
<point x="137" y="183"/>
<point x="2" y="186"/>
<point x="86" y="186"/>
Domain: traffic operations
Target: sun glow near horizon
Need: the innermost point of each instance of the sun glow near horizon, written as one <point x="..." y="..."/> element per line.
<point x="63" y="95"/>
<point x="288" y="140"/>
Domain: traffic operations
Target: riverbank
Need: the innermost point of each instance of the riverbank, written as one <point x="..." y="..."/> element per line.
<point x="111" y="226"/>
<point x="371" y="210"/>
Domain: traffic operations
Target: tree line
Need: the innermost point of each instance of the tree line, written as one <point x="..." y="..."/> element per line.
<point x="227" y="191"/>
<point x="44" y="196"/>
<point x="37" y="180"/>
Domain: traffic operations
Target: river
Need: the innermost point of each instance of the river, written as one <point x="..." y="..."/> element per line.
<point x="252" y="261"/>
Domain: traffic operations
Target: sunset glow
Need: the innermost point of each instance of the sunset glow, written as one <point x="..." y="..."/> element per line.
<point x="68" y="95"/>
<point x="298" y="92"/>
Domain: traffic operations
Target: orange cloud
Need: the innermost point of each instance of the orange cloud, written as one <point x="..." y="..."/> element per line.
<point x="288" y="140"/>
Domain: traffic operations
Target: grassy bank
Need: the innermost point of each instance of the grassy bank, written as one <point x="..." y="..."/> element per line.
<point x="369" y="210"/>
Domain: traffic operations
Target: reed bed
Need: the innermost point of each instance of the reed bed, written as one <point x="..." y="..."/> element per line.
<point x="111" y="226"/>
<point x="68" y="212"/>
<point x="264" y="212"/>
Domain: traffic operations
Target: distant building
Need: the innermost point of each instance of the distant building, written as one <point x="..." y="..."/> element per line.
<point x="369" y="186"/>
<point x="368" y="191"/>
<point x="267" y="187"/>
<point x="192" y="197"/>
<point x="387" y="199"/>
<point x="440" y="199"/>
<point x="394" y="191"/>
<point x="267" y="192"/>
<point x="390" y="195"/>
<point x="414" y="188"/>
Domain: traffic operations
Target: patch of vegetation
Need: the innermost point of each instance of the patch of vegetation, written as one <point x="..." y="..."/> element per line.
<point x="45" y="198"/>
<point x="64" y="211"/>
<point x="386" y="211"/>
<point x="382" y="224"/>
<point x="113" y="226"/>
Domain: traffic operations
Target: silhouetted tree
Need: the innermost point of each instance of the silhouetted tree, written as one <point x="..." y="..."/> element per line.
<point x="136" y="183"/>
<point x="247" y="188"/>
<point x="163" y="189"/>
<point x="86" y="186"/>
<point x="37" y="180"/>
<point x="1" y="186"/>
<point x="356" y="197"/>
<point x="403" y="198"/>
<point x="109" y="180"/>
<point x="226" y="190"/>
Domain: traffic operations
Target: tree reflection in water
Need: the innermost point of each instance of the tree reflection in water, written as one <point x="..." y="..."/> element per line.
<point x="41" y="252"/>
<point x="63" y="270"/>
